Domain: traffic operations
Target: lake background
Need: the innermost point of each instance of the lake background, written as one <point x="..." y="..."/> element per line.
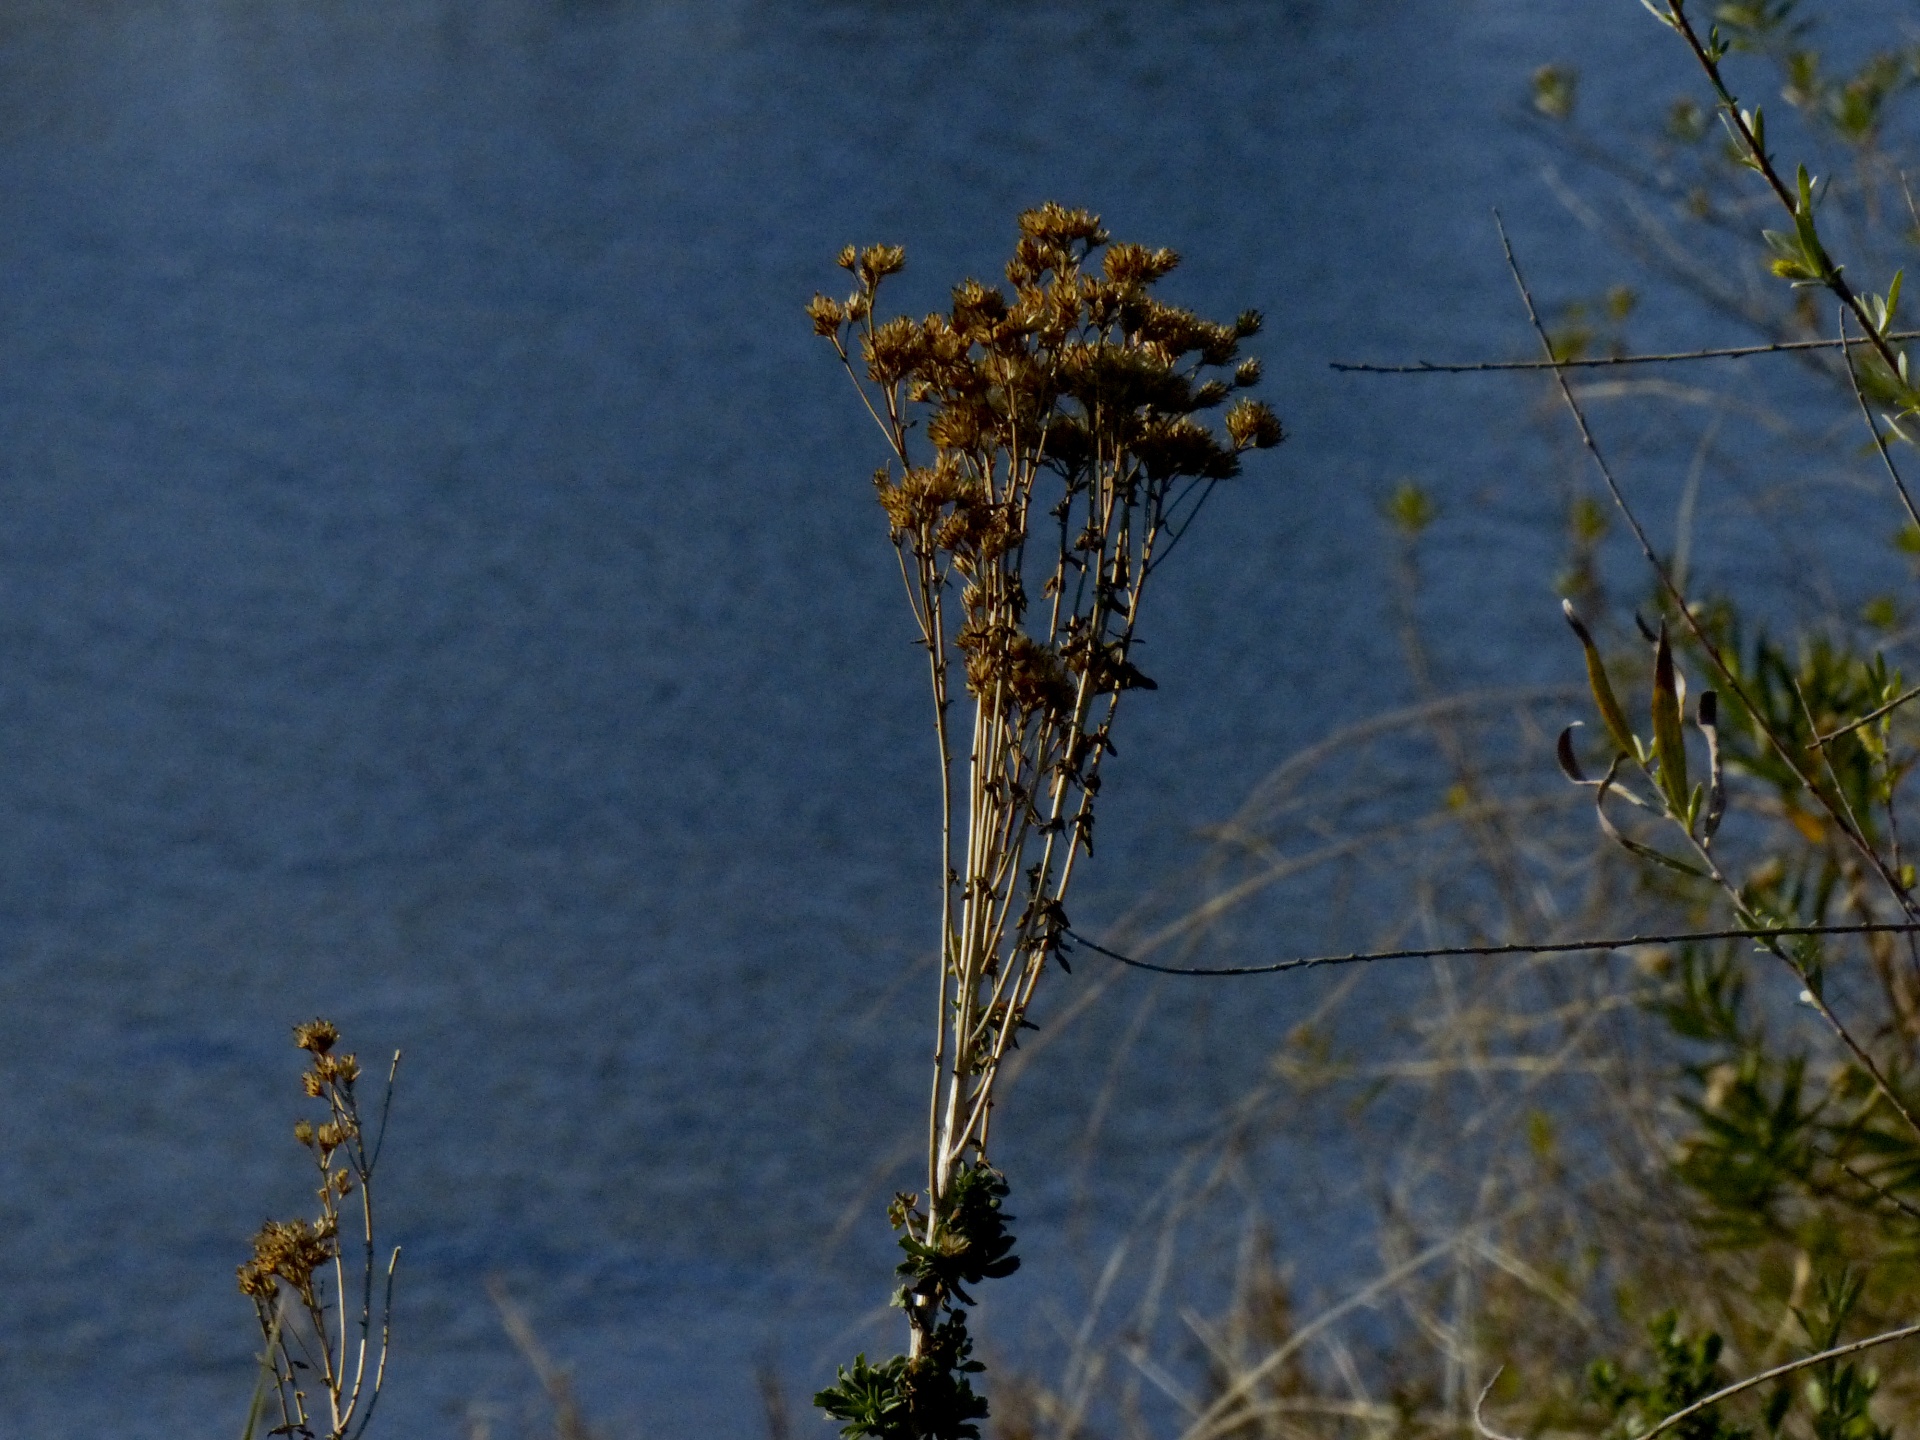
<point x="440" y="588"/>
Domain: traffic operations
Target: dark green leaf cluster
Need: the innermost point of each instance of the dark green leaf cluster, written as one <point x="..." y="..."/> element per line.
<point x="1754" y="1150"/>
<point x="1685" y="1371"/>
<point x="1776" y="1154"/>
<point x="930" y="1397"/>
<point x="1838" y="1394"/>
<point x="971" y="1241"/>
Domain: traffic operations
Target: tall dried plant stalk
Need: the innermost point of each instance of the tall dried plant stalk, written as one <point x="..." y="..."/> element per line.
<point x="326" y="1317"/>
<point x="1046" y="456"/>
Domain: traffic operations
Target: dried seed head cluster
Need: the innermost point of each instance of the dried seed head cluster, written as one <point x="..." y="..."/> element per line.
<point x="322" y="1375"/>
<point x="317" y="1036"/>
<point x="1049" y="445"/>
<point x="289" y="1250"/>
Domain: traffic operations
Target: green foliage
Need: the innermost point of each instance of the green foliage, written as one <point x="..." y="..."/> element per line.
<point x="1839" y="1392"/>
<point x="1754" y="1148"/>
<point x="1685" y="1371"/>
<point x="1780" y="1150"/>
<point x="929" y="1397"/>
<point x="970" y="1242"/>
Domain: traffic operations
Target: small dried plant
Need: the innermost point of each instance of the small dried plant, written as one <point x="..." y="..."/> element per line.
<point x="1046" y="455"/>
<point x="326" y="1346"/>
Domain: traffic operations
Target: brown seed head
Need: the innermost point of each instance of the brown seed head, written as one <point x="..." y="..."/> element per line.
<point x="1252" y="426"/>
<point x="316" y="1035"/>
<point x="289" y="1249"/>
<point x="827" y="314"/>
<point x="1129" y="264"/>
<point x="879" y="261"/>
<point x="1055" y="225"/>
<point x="256" y="1281"/>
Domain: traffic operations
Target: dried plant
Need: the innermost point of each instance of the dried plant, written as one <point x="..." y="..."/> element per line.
<point x="1045" y="456"/>
<point x="326" y="1342"/>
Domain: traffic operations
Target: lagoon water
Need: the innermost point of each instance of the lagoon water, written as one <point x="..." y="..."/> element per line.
<point x="440" y="589"/>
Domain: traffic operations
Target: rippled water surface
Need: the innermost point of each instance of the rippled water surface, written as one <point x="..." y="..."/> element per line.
<point x="439" y="588"/>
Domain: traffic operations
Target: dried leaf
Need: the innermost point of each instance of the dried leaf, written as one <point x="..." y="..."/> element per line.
<point x="1716" y="781"/>
<point x="1569" y="762"/>
<point x="1669" y="744"/>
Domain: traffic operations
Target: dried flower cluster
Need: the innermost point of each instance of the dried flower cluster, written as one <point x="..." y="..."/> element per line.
<point x="1047" y="451"/>
<point x="304" y="1346"/>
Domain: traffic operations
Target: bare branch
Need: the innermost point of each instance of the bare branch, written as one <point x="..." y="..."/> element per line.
<point x="1556" y="947"/>
<point x="1730" y="352"/>
<point x="1887" y="1337"/>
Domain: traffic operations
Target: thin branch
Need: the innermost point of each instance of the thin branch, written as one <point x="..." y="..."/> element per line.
<point x="1479" y="1424"/>
<point x="1873" y="1185"/>
<point x="1742" y="126"/>
<point x="1753" y="1381"/>
<point x="1871" y="715"/>
<point x="1686" y="614"/>
<point x="1558" y="947"/>
<point x="1879" y="440"/>
<point x="1730" y="352"/>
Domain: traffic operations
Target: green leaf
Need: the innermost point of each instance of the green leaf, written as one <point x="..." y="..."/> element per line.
<point x="1669" y="745"/>
<point x="1611" y="715"/>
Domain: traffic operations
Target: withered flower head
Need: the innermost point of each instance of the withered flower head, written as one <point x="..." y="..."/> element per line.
<point x="1054" y="224"/>
<point x="1128" y="264"/>
<point x="256" y="1281"/>
<point x="827" y="314"/>
<point x="1253" y="426"/>
<point x="316" y="1035"/>
<point x="879" y="261"/>
<point x="289" y="1249"/>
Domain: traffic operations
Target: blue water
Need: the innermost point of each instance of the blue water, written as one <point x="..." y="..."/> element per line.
<point x="440" y="589"/>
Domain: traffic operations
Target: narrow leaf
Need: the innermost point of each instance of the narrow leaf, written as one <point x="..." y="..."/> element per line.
<point x="1611" y="715"/>
<point x="1669" y="745"/>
